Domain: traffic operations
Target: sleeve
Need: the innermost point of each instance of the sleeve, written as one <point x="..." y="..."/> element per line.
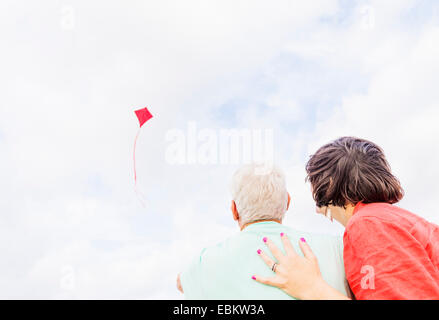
<point x="191" y="280"/>
<point x="385" y="262"/>
<point x="346" y="287"/>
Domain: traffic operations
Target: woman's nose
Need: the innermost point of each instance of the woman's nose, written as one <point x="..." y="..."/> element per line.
<point x="320" y="210"/>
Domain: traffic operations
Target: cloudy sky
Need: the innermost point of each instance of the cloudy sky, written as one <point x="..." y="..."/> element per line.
<point x="73" y="72"/>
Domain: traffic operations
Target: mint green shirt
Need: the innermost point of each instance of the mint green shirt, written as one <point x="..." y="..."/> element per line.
<point x="224" y="271"/>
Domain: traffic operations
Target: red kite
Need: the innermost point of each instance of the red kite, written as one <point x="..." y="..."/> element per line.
<point x="143" y="115"/>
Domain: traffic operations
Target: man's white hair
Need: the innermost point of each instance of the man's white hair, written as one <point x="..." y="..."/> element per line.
<point x="259" y="194"/>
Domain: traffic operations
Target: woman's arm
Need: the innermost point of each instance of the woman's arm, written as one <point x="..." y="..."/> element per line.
<point x="390" y="263"/>
<point x="298" y="276"/>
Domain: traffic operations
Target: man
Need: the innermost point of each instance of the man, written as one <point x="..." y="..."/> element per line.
<point x="224" y="271"/>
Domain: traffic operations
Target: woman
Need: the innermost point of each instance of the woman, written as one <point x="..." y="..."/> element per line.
<point x="389" y="253"/>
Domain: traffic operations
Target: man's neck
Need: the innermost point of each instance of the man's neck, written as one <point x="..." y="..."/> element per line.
<point x="257" y="221"/>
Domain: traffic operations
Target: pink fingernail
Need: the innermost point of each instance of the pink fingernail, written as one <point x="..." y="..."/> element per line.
<point x="265" y="239"/>
<point x="302" y="239"/>
<point x="281" y="234"/>
<point x="259" y="251"/>
<point x="253" y="277"/>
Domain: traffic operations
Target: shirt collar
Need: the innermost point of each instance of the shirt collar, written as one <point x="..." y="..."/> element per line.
<point x="358" y="207"/>
<point x="261" y="224"/>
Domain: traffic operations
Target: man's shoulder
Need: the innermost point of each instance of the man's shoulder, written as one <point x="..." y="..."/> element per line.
<point x="314" y="235"/>
<point x="247" y="239"/>
<point x="220" y="246"/>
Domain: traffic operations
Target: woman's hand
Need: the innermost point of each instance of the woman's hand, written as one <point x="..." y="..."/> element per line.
<point x="298" y="276"/>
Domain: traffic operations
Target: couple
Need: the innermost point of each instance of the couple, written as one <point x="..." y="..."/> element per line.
<point x="386" y="252"/>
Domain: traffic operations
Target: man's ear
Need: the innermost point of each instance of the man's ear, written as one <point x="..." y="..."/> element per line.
<point x="289" y="200"/>
<point x="234" y="211"/>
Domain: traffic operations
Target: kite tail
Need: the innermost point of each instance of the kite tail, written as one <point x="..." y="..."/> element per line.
<point x="136" y="190"/>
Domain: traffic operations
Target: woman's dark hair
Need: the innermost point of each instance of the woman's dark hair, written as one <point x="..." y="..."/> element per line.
<point x="351" y="170"/>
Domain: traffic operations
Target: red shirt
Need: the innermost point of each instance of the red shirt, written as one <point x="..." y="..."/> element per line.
<point x="390" y="253"/>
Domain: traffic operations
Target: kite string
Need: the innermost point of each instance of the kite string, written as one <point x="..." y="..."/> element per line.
<point x="134" y="157"/>
<point x="138" y="193"/>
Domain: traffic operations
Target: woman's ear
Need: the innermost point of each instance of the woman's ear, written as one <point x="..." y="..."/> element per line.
<point x="289" y="200"/>
<point x="234" y="211"/>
